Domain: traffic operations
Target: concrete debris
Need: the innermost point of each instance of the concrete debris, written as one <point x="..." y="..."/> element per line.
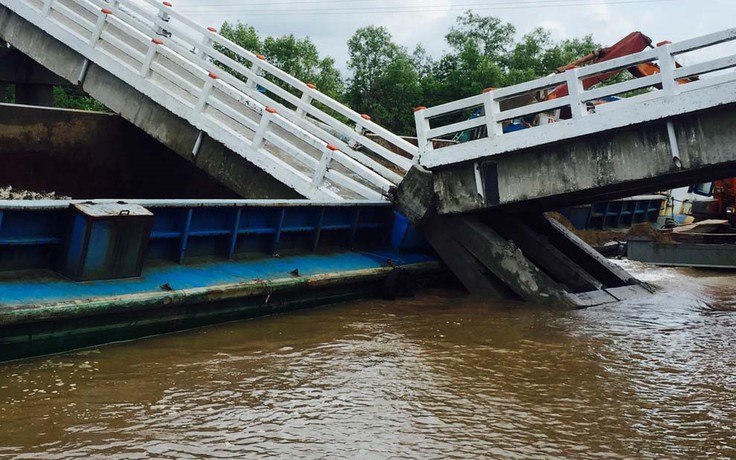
<point x="9" y="193"/>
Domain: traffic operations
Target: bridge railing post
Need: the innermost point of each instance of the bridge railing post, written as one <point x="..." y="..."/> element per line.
<point x="359" y="128"/>
<point x="491" y="107"/>
<point x="306" y="100"/>
<point x="206" y="44"/>
<point x="99" y="26"/>
<point x="324" y="164"/>
<point x="667" y="67"/>
<point x="205" y="93"/>
<point x="260" y="134"/>
<point x="575" y="91"/>
<point x="424" y="144"/>
<point x="163" y="18"/>
<point x="257" y="71"/>
<point x="150" y="54"/>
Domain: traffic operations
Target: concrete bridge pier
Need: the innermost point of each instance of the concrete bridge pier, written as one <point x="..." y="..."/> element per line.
<point x="520" y="255"/>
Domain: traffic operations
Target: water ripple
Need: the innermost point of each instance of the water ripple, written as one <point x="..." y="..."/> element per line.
<point x="440" y="376"/>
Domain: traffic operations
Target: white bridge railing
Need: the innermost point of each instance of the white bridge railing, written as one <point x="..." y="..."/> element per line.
<point x="671" y="92"/>
<point x="302" y="137"/>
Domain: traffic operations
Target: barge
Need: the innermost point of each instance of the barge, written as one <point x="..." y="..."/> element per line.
<point x="79" y="273"/>
<point x="707" y="244"/>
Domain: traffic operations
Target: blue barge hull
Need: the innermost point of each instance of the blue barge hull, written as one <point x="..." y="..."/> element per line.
<point x="204" y="262"/>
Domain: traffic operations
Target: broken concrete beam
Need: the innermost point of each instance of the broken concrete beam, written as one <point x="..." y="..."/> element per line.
<point x="608" y="273"/>
<point x="538" y="250"/>
<point x="476" y="278"/>
<point x="415" y="197"/>
<point x="506" y="261"/>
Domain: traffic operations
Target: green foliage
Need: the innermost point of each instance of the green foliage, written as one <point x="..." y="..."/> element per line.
<point x="476" y="60"/>
<point x="7" y="93"/>
<point x="296" y="56"/>
<point x="385" y="82"/>
<point x="536" y="55"/>
<point x="72" y="97"/>
<point x="370" y="52"/>
<point x="242" y="35"/>
<point x="486" y="34"/>
<point x="300" y="58"/>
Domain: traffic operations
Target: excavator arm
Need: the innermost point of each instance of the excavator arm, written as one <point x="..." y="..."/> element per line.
<point x="632" y="43"/>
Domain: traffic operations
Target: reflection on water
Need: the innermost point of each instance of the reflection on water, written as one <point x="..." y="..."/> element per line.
<point x="439" y="376"/>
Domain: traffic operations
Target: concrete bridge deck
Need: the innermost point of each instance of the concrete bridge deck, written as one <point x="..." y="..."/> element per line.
<point x="678" y="130"/>
<point x="160" y="71"/>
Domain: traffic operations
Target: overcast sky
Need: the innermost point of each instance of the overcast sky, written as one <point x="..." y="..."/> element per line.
<point x="329" y="23"/>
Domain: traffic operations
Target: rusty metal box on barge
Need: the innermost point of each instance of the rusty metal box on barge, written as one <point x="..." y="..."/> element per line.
<point x="105" y="241"/>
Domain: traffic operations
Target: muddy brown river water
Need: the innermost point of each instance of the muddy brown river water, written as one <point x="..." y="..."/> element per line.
<point x="438" y="376"/>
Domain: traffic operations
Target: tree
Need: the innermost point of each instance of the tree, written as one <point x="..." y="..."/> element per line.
<point x="488" y="35"/>
<point x="476" y="60"/>
<point x="536" y="55"/>
<point x="370" y="51"/>
<point x="466" y="74"/>
<point x="384" y="81"/>
<point x="73" y="97"/>
<point x="242" y="35"/>
<point x="296" y="56"/>
<point x="300" y="58"/>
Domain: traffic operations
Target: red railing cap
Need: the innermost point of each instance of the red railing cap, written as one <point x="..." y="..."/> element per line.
<point x="332" y="147"/>
<point x="106" y="11"/>
<point x="157" y="41"/>
<point x="421" y="107"/>
<point x="271" y="110"/>
<point x="365" y="116"/>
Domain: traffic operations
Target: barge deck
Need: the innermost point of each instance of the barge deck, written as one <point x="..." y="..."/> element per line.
<point x="66" y="265"/>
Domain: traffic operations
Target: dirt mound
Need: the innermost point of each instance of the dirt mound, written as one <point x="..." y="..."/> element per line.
<point x="597" y="238"/>
<point x="650" y="232"/>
